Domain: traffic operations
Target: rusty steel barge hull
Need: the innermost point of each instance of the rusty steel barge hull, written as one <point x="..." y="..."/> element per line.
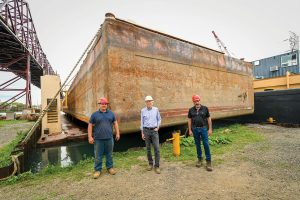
<point x="128" y="62"/>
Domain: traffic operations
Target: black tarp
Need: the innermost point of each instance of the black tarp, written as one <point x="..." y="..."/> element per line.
<point x="281" y="105"/>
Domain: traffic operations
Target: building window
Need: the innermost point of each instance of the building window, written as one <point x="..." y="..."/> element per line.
<point x="256" y="63"/>
<point x="288" y="60"/>
<point x="259" y="77"/>
<point x="274" y="68"/>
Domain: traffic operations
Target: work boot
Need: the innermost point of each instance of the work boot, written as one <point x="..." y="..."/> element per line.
<point x="96" y="174"/>
<point x="157" y="170"/>
<point x="208" y="166"/>
<point x="199" y="163"/>
<point x="149" y="168"/>
<point x="111" y="171"/>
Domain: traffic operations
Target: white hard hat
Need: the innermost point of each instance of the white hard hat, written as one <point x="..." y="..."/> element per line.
<point x="148" y="98"/>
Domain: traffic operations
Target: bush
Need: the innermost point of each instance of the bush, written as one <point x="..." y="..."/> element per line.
<point x="219" y="140"/>
<point x="216" y="139"/>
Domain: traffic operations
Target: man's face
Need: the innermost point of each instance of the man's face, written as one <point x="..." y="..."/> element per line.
<point x="197" y="103"/>
<point x="149" y="104"/>
<point x="103" y="106"/>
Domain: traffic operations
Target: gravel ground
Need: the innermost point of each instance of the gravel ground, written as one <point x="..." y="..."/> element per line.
<point x="264" y="170"/>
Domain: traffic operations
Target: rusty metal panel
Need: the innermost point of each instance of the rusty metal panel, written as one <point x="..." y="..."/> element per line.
<point x="135" y="61"/>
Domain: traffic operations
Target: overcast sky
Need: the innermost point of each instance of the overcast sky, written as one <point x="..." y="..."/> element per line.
<point x="250" y="29"/>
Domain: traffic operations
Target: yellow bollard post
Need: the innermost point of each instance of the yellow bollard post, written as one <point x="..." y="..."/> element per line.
<point x="176" y="143"/>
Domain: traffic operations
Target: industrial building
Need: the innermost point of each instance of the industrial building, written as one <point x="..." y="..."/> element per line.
<point x="276" y="66"/>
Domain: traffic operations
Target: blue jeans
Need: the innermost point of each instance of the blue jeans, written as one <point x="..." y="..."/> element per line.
<point x="152" y="136"/>
<point x="103" y="147"/>
<point x="201" y="133"/>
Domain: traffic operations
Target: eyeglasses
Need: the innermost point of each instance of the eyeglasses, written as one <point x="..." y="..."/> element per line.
<point x="196" y="101"/>
<point x="103" y="104"/>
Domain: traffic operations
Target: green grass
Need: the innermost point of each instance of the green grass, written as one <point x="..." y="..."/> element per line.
<point x="5" y="151"/>
<point x="129" y="158"/>
<point x="71" y="172"/>
<point x="223" y="140"/>
<point x="8" y="122"/>
<point x="240" y="137"/>
<point x="237" y="136"/>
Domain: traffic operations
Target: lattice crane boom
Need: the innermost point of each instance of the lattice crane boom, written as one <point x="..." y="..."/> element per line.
<point x="221" y="45"/>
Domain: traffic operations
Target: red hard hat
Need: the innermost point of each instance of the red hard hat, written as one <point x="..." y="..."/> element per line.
<point x="196" y="98"/>
<point x="103" y="100"/>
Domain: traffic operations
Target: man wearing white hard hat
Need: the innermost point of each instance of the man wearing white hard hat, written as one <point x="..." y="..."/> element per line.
<point x="150" y="122"/>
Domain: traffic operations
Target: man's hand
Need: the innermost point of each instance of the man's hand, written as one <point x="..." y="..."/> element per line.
<point x="156" y="129"/>
<point x="91" y="140"/>
<point x="209" y="132"/>
<point x="118" y="137"/>
<point x="143" y="136"/>
<point x="90" y="130"/>
<point x="190" y="133"/>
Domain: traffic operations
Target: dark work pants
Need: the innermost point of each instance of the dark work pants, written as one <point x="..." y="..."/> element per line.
<point x="151" y="137"/>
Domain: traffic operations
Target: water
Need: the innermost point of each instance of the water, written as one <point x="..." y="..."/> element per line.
<point x="73" y="153"/>
<point x="61" y="155"/>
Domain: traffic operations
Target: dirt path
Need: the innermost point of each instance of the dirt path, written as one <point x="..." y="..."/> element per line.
<point x="266" y="170"/>
<point x="8" y="132"/>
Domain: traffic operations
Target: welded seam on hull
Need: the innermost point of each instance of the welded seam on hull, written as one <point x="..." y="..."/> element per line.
<point x="167" y="35"/>
<point x="160" y="59"/>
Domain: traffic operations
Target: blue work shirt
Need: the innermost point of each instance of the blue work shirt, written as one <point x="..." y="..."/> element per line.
<point x="150" y="117"/>
<point x="103" y="122"/>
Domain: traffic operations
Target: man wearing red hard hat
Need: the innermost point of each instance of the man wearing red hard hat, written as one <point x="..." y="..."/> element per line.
<point x="200" y="126"/>
<point x="102" y="121"/>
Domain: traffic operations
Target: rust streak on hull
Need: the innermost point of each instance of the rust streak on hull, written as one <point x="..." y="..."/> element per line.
<point x="129" y="62"/>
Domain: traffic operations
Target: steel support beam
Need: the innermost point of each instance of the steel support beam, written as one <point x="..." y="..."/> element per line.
<point x="26" y="91"/>
<point x="28" y="83"/>
<point x="11" y="89"/>
<point x="3" y="4"/>
<point x="13" y="71"/>
<point x="13" y="99"/>
<point x="12" y="62"/>
<point x="18" y="37"/>
<point x="9" y="82"/>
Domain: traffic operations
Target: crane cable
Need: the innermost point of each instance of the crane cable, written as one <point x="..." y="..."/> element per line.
<point x="46" y="109"/>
